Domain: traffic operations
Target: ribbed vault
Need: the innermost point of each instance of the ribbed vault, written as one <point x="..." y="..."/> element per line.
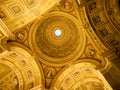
<point x="57" y="50"/>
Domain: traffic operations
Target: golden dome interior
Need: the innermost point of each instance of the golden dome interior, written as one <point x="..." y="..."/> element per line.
<point x="59" y="44"/>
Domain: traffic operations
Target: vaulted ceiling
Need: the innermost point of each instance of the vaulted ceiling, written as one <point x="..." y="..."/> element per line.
<point x="48" y="43"/>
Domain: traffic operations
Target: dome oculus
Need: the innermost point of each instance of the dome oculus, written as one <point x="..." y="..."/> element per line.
<point x="58" y="32"/>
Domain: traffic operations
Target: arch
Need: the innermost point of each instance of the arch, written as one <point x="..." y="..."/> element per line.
<point x="78" y="76"/>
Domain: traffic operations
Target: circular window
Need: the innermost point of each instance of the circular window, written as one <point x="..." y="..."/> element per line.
<point x="58" y="33"/>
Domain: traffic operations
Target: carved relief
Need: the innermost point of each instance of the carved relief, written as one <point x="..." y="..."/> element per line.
<point x="114" y="43"/>
<point x="50" y="72"/>
<point x="16" y="9"/>
<point x="103" y="32"/>
<point x="21" y="36"/>
<point x="66" y="5"/>
<point x="92" y="6"/>
<point x="90" y="51"/>
<point x="96" y="20"/>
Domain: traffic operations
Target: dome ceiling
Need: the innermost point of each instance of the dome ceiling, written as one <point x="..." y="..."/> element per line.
<point x="57" y="38"/>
